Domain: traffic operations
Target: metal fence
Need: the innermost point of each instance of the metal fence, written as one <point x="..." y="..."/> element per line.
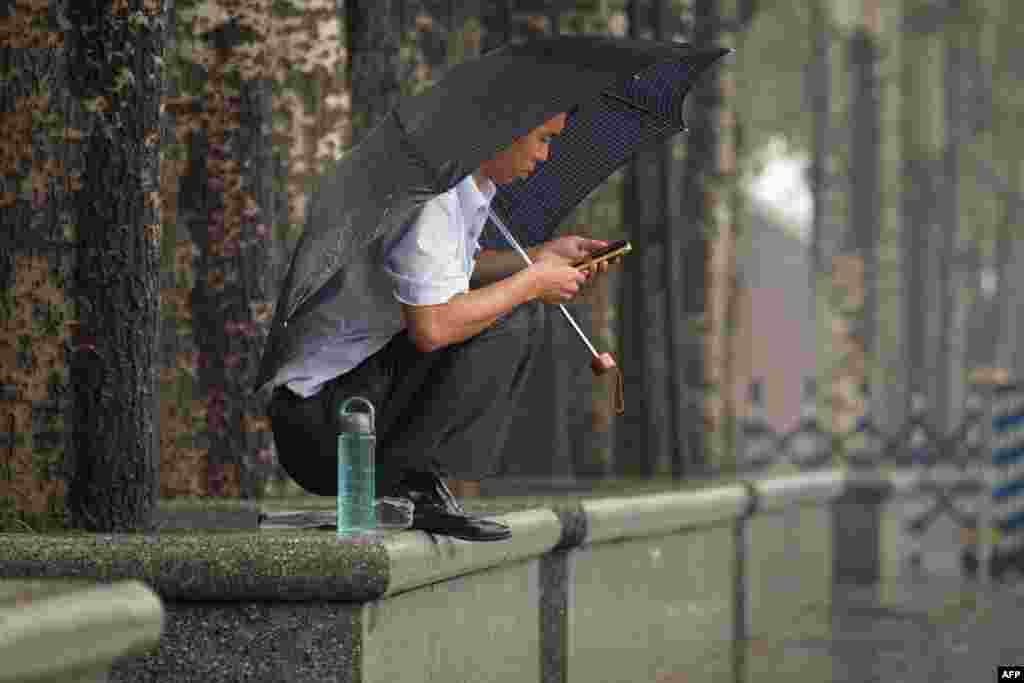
<point x="973" y="474"/>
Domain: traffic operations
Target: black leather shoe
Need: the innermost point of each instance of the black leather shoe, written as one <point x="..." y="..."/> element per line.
<point x="438" y="512"/>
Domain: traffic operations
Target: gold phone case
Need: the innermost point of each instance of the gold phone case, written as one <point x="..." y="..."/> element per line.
<point x="589" y="263"/>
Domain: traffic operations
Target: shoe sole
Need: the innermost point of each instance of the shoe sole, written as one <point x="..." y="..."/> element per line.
<point x="442" y="531"/>
<point x="474" y="539"/>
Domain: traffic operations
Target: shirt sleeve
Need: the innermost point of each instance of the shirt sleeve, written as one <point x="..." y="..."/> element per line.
<point x="426" y="265"/>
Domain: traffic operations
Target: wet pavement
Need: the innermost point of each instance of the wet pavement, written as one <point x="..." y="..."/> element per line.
<point x="925" y="629"/>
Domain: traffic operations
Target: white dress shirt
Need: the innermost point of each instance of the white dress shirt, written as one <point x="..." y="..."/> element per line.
<point x="428" y="263"/>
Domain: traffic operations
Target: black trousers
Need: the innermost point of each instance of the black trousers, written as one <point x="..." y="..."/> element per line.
<point x="447" y="411"/>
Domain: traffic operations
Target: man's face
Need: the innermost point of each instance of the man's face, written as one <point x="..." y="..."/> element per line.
<point x="520" y="159"/>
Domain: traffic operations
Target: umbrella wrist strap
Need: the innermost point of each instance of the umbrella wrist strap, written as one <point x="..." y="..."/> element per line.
<point x="619" y="396"/>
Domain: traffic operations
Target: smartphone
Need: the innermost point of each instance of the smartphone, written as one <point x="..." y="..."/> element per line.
<point x="613" y="250"/>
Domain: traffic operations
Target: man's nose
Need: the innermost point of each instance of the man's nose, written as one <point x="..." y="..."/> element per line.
<point x="543" y="156"/>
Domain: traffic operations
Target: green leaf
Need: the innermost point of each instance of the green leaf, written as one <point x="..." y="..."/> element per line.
<point x="137" y="20"/>
<point x="123" y="79"/>
<point x="6" y="304"/>
<point x="285" y="8"/>
<point x="233" y="80"/>
<point x="175" y="151"/>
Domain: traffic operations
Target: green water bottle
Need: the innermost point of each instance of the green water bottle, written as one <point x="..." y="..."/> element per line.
<point x="356" y="440"/>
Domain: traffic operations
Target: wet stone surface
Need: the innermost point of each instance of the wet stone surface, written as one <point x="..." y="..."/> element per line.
<point x="929" y="623"/>
<point x="921" y="638"/>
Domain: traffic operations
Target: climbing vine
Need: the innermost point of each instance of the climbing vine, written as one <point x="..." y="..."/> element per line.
<point x="34" y="307"/>
<point x="262" y="103"/>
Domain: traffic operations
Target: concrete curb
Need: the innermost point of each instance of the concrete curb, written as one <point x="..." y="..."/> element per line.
<point x="68" y="636"/>
<point x="418" y="559"/>
<point x="816" y="488"/>
<point x="611" y="589"/>
<point x="217" y="566"/>
<point x="609" y="519"/>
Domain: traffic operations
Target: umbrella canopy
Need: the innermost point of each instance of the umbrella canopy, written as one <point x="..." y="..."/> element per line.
<point x="603" y="134"/>
<point x="625" y="93"/>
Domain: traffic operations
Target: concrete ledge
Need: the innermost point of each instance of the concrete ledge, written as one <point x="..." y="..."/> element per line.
<point x="614" y="518"/>
<point x="275" y="565"/>
<point x="418" y="559"/>
<point x="906" y="482"/>
<point x="816" y="488"/>
<point x="174" y="515"/>
<point x="67" y="632"/>
<point x="253" y="566"/>
<point x="648" y="586"/>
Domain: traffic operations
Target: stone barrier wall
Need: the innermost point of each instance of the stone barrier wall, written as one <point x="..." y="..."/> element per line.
<point x="665" y="587"/>
<point x="71" y="631"/>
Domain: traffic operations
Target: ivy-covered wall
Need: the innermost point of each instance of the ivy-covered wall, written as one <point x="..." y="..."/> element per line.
<point x="40" y="169"/>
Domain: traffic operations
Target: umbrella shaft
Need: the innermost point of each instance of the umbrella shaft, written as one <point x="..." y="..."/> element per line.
<point x="576" y="326"/>
<point x="526" y="257"/>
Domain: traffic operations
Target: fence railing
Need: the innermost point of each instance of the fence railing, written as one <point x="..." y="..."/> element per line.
<point x="983" y="453"/>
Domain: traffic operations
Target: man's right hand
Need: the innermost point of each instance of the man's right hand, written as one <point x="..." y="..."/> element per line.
<point x="557" y="281"/>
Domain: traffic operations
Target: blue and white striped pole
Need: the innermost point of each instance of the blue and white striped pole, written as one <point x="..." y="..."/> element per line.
<point x="1007" y="472"/>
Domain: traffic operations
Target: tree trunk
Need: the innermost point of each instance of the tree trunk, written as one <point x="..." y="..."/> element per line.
<point x="948" y="397"/>
<point x="1009" y="168"/>
<point x="594" y="461"/>
<point x="701" y="193"/>
<point x="674" y="258"/>
<point x="818" y="95"/>
<point x="720" y="343"/>
<point x="824" y="230"/>
<point x="995" y="326"/>
<point x="865" y="167"/>
<point x="919" y="197"/>
<point x="1011" y="288"/>
<point x="115" y="68"/>
<point x="374" y="61"/>
<point x="642" y="434"/>
<point x="496" y="16"/>
<point x="968" y="118"/>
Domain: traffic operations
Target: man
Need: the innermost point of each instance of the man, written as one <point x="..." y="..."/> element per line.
<point x="443" y="364"/>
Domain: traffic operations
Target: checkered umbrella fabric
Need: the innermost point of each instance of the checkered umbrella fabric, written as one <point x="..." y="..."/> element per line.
<point x="602" y="134"/>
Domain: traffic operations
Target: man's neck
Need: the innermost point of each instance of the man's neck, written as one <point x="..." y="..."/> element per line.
<point x="482" y="180"/>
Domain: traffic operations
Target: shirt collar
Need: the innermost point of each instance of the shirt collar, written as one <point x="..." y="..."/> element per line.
<point x="476" y="199"/>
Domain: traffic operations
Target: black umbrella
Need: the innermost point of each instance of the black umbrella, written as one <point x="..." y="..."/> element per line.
<point x="624" y="94"/>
